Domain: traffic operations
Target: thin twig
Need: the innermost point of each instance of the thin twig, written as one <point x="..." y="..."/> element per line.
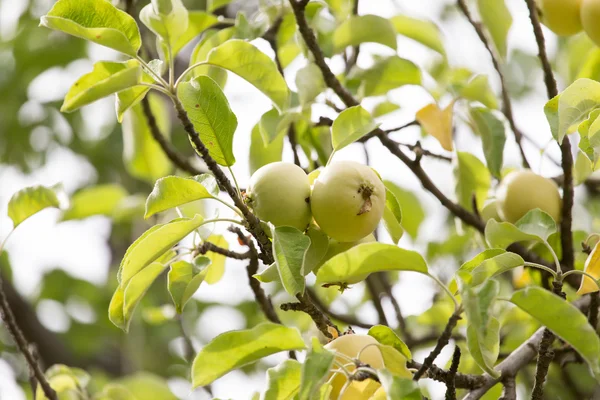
<point x="208" y="246"/>
<point x="347" y="319"/>
<point x="177" y="159"/>
<point x="506" y="103"/>
<point x="566" y="235"/>
<point x="23" y="346"/>
<point x="387" y="289"/>
<point x="442" y="342"/>
<point x="462" y="381"/>
<point x="188" y="351"/>
<point x="375" y="297"/>
<point x="306" y="305"/>
<point x="451" y="384"/>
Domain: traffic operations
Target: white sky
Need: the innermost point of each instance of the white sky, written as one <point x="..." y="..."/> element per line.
<point x="79" y="247"/>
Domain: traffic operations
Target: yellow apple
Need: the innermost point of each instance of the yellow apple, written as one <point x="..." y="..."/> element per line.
<point x="590" y="13"/>
<point x="562" y="16"/>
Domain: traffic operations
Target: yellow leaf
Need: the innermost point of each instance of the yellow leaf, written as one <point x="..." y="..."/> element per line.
<point x="438" y="123"/>
<point x="592" y="267"/>
<point x="216" y="270"/>
<point x="521" y="277"/>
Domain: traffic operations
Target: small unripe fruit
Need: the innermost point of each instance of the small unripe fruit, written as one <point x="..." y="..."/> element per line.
<point x="280" y="193"/>
<point x="590" y="14"/>
<point x="351" y="345"/>
<point x="523" y="191"/>
<point x="347" y="201"/>
<point x="562" y="16"/>
<point x="490" y="211"/>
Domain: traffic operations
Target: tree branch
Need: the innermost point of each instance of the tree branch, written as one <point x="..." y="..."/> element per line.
<point x="22" y="344"/>
<point x="208" y="246"/>
<point x="506" y="103"/>
<point x="177" y="159"/>
<point x="462" y="381"/>
<point x="306" y="305"/>
<point x="442" y="342"/>
<point x="451" y="384"/>
<point x="566" y="235"/>
<point x="387" y="289"/>
<point x="374" y="292"/>
<point x="347" y="319"/>
<point x="593" y="311"/>
<point x="509" y="392"/>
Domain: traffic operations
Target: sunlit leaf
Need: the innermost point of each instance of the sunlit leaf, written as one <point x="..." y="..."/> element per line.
<point x="359" y="29"/>
<point x="357" y="263"/>
<point x="261" y="153"/>
<point x="30" y="200"/>
<point x="388" y="74"/>
<point x="497" y="19"/>
<point x="245" y="60"/>
<point x="95" y="200"/>
<point x="212" y="5"/>
<point x="582" y="169"/>
<point x="437" y="123"/>
<point x="234" y="349"/>
<point x="472" y="179"/>
<point x="283" y="381"/>
<point x="289" y="247"/>
<point x="174" y="191"/>
<point x="125" y="99"/>
<point x="319" y="243"/>
<point x="536" y="225"/>
<point x="184" y="279"/>
<point x="592" y="267"/>
<point x="96" y="21"/>
<point x="385" y="335"/>
<point x="314" y="370"/>
<point x="564" y="320"/>
<point x="106" y="78"/>
<point x="208" y="109"/>
<point x="425" y="32"/>
<point x="137" y="287"/>
<point x="396" y="387"/>
<point x="392" y="216"/>
<point x="488" y="264"/>
<point x="384" y="108"/>
<point x="198" y="22"/>
<point x="413" y="213"/>
<point x="144" y="385"/>
<point x="154" y="243"/>
<point x="215" y="271"/>
<point x="167" y="19"/>
<point x="352" y="124"/>
<point x="210" y="39"/>
<point x="273" y="125"/>
<point x="493" y="137"/>
<point x="478" y="89"/>
<point x="310" y="83"/>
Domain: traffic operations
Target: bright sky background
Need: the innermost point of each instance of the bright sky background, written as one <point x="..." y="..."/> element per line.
<point x="79" y="247"/>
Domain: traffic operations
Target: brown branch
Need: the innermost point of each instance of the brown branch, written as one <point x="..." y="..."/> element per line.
<point x="375" y="294"/>
<point x="442" y="342"/>
<point x="306" y="305"/>
<point x="23" y="346"/>
<point x="593" y="311"/>
<point x="177" y="159"/>
<point x="451" y="384"/>
<point x="387" y="289"/>
<point x="347" y="319"/>
<point x="506" y="103"/>
<point x="509" y="392"/>
<point x="462" y="381"/>
<point x="566" y="234"/>
<point x="208" y="246"/>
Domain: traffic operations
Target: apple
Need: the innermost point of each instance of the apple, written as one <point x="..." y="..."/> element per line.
<point x="279" y="193"/>
<point x="347" y="200"/>
<point x="522" y="191"/>
<point x="562" y="16"/>
<point x="590" y="12"/>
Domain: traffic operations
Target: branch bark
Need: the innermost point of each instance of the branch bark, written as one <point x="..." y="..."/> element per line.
<point x="451" y="384"/>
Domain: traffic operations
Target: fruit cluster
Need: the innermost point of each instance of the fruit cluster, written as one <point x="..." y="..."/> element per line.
<point x="568" y="17"/>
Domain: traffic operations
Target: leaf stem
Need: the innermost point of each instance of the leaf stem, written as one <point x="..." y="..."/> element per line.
<point x="576" y="271"/>
<point x="5" y="240"/>
<point x="556" y="261"/>
<point x="151" y="71"/>
<point x="457" y="306"/>
<point x="187" y="71"/>
<point x="547" y="269"/>
<point x="235" y="182"/>
<point x="156" y="87"/>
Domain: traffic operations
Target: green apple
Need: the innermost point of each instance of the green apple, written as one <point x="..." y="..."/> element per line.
<point x="522" y="191"/>
<point x="280" y="193"/>
<point x="490" y="211"/>
<point x="347" y="200"/>
<point x="562" y="16"/>
<point x="590" y="13"/>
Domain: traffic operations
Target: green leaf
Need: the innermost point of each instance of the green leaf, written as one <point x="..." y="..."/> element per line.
<point x="269" y="274"/>
<point x="96" y="21"/>
<point x="144" y="158"/>
<point x="360" y="29"/>
<point x="209" y="111"/>
<point x="564" y="320"/>
<point x="536" y="225"/>
<point x="106" y="78"/>
<point x="352" y="124"/>
<point x="388" y="74"/>
<point x="137" y="287"/>
<point x="115" y="309"/>
<point x="153" y="243"/>
<point x="582" y="169"/>
<point x="234" y="349"/>
<point x="184" y="279"/>
<point x="472" y="178"/>
<point x="572" y="106"/>
<point x="357" y="263"/>
<point x="314" y="370"/>
<point x="168" y="19"/>
<point x="399" y="387"/>
<point x="487" y="265"/>
<point x="289" y="248"/>
<point x="392" y="216"/>
<point x="129" y="97"/>
<point x="245" y="60"/>
<point x="319" y="243"/>
<point x="310" y="83"/>
<point x="385" y="335"/>
<point x="261" y="153"/>
<point x="30" y="200"/>
<point x="413" y="213"/>
<point x="283" y="381"/>
<point x="478" y="89"/>
<point x="384" y="108"/>
<point x="274" y="125"/>
<point x="210" y="39"/>
<point x="493" y="136"/>
<point x="212" y="5"/>
<point x="113" y="391"/>
<point x="144" y="385"/>
<point x="483" y="333"/>
<point x="198" y="22"/>
<point x="95" y="200"/>
<point x="425" y="32"/>
<point x="174" y="191"/>
<point x="215" y="271"/>
<point x="497" y="19"/>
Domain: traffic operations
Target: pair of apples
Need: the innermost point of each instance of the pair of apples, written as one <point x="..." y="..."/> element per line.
<point x="347" y="199"/>
<point x="568" y="17"/>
